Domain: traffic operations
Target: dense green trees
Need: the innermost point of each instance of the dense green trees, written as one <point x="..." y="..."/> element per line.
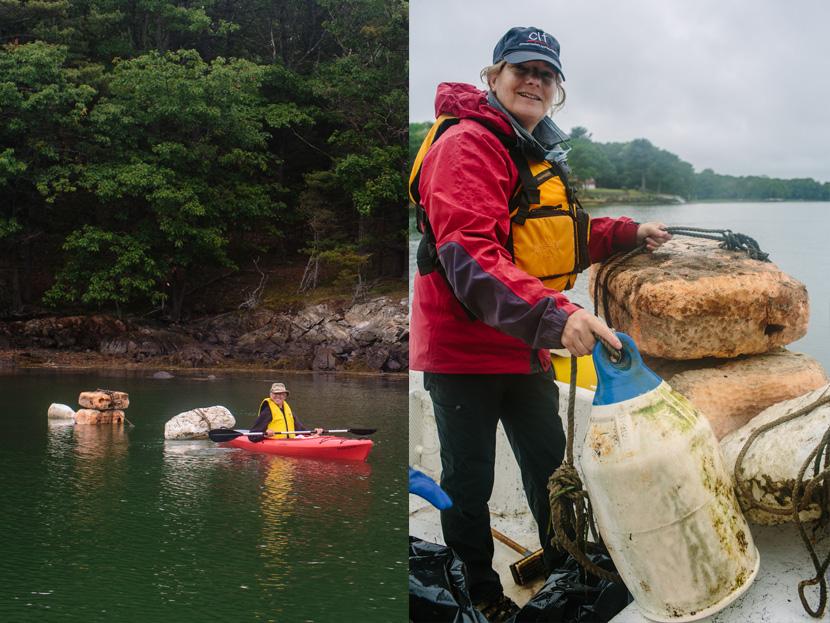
<point x="640" y="165"/>
<point x="147" y="146"/>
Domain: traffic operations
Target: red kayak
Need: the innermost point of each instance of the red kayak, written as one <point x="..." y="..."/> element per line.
<point x="322" y="447"/>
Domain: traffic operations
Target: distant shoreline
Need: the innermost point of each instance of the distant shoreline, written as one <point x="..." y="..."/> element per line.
<point x="369" y="337"/>
<point x="15" y="360"/>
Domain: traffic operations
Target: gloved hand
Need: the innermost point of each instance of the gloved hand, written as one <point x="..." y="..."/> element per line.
<point x="424" y="486"/>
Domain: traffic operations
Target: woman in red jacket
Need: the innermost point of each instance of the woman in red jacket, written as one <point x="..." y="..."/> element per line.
<point x="503" y="237"/>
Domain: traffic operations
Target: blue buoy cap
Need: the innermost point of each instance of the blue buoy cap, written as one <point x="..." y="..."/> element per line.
<point x="625" y="379"/>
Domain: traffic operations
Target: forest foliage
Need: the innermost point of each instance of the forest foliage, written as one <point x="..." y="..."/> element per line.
<point x="640" y="165"/>
<point x="148" y="146"/>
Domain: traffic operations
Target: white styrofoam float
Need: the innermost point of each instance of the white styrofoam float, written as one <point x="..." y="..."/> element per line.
<point x="662" y="498"/>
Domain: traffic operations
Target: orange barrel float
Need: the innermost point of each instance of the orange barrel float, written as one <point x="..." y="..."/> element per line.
<point x="662" y="497"/>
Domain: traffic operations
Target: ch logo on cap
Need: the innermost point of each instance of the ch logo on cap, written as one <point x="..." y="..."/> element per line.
<point x="538" y="37"/>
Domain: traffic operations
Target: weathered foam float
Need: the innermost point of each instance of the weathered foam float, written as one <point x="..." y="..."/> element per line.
<point x="730" y="392"/>
<point x="196" y="423"/>
<point x="662" y="495"/>
<point x="58" y="411"/>
<point x="690" y="299"/>
<point x="771" y="465"/>
<point x="95" y="416"/>
<point x="102" y="400"/>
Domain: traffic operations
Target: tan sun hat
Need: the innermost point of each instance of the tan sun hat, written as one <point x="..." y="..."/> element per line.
<point x="279" y="388"/>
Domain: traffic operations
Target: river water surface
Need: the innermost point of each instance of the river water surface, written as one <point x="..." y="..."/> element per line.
<point x="104" y="523"/>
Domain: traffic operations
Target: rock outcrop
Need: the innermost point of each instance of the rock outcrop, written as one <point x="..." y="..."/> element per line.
<point x="369" y="337"/>
<point x="196" y="423"/>
<point x="730" y="392"/>
<point x="691" y="299"/>
<point x="770" y="467"/>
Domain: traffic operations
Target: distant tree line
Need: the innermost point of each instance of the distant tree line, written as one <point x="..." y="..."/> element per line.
<point x="640" y="165"/>
<point x="147" y="146"/>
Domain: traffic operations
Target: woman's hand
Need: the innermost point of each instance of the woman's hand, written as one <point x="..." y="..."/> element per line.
<point x="653" y="235"/>
<point x="317" y="432"/>
<point x="581" y="332"/>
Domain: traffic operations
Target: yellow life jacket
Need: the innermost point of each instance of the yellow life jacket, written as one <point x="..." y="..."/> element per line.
<point x="281" y="419"/>
<point x="549" y="230"/>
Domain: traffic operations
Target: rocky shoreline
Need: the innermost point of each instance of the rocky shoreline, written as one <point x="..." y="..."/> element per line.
<point x="371" y="337"/>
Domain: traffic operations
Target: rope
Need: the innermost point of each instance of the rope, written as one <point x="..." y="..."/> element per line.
<point x="201" y="413"/>
<point x="111" y="394"/>
<point x="798" y="501"/>
<point x="608" y="269"/>
<point x="802" y="494"/>
<point x="728" y="240"/>
<point x="570" y="507"/>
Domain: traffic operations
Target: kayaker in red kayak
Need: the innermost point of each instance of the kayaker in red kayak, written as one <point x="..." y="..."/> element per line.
<point x="276" y="418"/>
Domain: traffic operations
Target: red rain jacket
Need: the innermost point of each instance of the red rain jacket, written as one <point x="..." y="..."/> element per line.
<point x="467" y="178"/>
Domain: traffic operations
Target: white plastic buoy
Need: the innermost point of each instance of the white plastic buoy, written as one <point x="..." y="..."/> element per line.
<point x="661" y="495"/>
<point x="58" y="411"/>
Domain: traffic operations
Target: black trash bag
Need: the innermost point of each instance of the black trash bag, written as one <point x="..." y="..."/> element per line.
<point x="438" y="586"/>
<point x="572" y="595"/>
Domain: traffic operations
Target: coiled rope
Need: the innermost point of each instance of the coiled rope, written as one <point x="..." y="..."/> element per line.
<point x="570" y="507"/>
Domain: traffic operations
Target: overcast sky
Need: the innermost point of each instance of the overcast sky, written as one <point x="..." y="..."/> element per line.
<point x="741" y="87"/>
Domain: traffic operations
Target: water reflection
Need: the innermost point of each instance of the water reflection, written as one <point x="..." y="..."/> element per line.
<point x="278" y="506"/>
<point x="121" y="521"/>
<point x="309" y="509"/>
<point x="99" y="443"/>
<point x="98" y="475"/>
<point x="177" y="448"/>
<point x="337" y="490"/>
<point x="183" y="512"/>
<point x="60" y="438"/>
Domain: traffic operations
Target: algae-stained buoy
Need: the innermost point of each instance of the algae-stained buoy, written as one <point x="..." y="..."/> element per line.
<point x="662" y="497"/>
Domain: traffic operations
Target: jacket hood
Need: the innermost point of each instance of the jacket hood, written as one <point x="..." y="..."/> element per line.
<point x="468" y="102"/>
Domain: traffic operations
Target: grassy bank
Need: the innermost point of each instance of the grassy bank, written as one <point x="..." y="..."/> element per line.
<point x="607" y="196"/>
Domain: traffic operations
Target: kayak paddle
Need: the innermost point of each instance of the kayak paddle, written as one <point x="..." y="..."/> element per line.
<point x="226" y="434"/>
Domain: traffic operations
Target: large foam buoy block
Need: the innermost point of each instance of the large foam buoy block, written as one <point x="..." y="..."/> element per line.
<point x="662" y="498"/>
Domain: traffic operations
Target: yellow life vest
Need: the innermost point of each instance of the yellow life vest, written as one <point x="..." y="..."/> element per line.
<point x="549" y="230"/>
<point x="281" y="419"/>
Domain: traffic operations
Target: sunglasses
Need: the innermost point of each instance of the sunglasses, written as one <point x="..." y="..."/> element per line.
<point x="545" y="76"/>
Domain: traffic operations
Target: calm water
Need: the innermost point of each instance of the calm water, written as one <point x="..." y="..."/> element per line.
<point x="105" y="524"/>
<point x="794" y="234"/>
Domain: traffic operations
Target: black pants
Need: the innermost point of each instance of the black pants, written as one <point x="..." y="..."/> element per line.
<point x="467" y="409"/>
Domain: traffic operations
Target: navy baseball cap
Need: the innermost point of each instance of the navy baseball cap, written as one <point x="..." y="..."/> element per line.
<point x="519" y="45"/>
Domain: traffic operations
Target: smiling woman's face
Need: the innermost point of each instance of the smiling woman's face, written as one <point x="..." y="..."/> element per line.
<point x="278" y="398"/>
<point x="526" y="90"/>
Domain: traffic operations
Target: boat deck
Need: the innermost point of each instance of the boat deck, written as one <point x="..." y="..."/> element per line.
<point x="772" y="598"/>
